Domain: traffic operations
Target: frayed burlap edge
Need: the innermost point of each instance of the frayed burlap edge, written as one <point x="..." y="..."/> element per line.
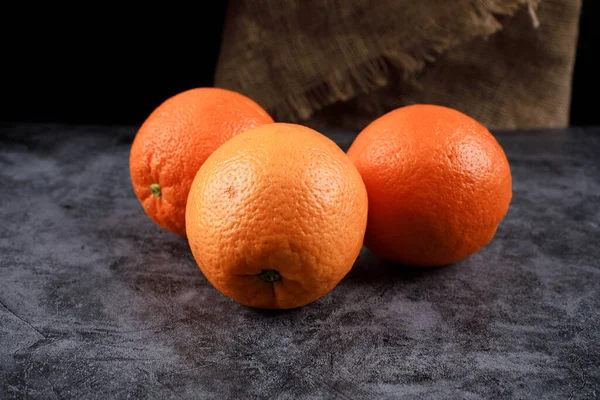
<point x="341" y="85"/>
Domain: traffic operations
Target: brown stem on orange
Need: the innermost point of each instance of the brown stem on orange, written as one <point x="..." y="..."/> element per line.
<point x="269" y="275"/>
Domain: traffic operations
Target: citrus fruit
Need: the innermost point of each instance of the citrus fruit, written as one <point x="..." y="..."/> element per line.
<point x="438" y="183"/>
<point x="276" y="216"/>
<point x="174" y="141"/>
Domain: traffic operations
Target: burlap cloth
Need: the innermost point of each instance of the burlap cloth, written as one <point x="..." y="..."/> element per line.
<point x="508" y="63"/>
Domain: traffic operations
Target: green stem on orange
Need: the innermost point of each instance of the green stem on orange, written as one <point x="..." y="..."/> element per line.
<point x="155" y="189"/>
<point x="269" y="275"/>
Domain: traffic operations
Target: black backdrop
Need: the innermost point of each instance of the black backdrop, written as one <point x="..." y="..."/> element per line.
<point x="106" y="66"/>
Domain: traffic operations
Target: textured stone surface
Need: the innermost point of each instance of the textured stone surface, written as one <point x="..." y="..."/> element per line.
<point x="96" y="301"/>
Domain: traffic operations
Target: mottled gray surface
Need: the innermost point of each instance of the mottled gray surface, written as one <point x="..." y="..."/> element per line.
<point x="98" y="302"/>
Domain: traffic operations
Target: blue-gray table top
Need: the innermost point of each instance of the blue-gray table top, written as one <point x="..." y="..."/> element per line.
<point x="96" y="301"/>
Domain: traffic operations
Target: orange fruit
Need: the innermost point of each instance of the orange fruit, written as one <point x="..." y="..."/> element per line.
<point x="175" y="140"/>
<point x="438" y="183"/>
<point x="276" y="216"/>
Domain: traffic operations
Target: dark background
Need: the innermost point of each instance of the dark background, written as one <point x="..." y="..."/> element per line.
<point x="104" y="66"/>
